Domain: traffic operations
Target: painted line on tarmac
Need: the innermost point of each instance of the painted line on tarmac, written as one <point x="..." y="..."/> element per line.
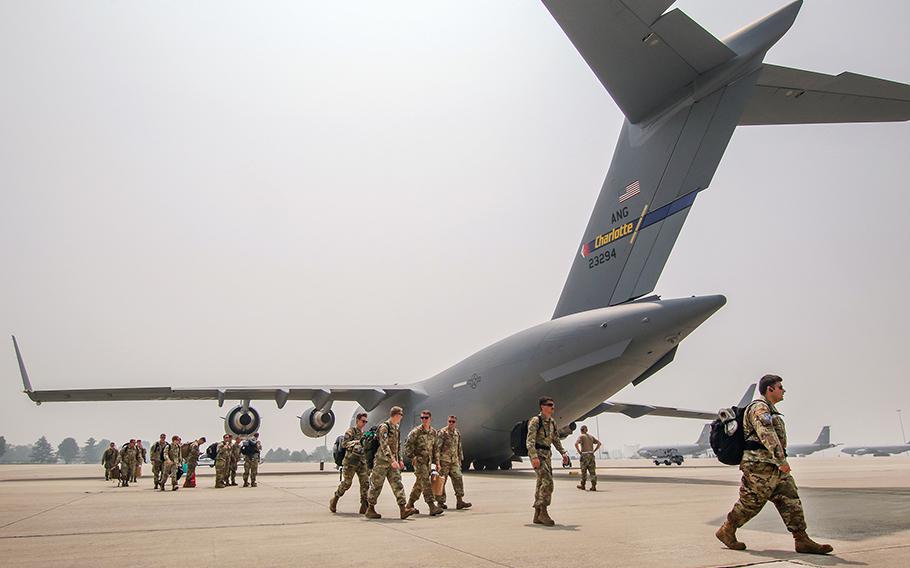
<point x="32" y="516"/>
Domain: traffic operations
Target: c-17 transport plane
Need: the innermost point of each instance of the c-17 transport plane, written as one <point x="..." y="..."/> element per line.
<point x="683" y="93"/>
<point x="668" y="454"/>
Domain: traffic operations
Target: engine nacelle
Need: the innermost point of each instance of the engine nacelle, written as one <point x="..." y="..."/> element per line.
<point x="566" y="431"/>
<point x="316" y="423"/>
<point x="242" y="423"/>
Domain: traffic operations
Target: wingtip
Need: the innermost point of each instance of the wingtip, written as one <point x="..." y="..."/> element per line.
<point x="26" y="383"/>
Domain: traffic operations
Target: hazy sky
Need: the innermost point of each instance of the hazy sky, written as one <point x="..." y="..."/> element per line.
<point x="235" y="193"/>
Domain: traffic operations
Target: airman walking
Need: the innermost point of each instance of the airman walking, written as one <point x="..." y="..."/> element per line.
<point x="157" y="457"/>
<point x="223" y="461"/>
<point x="388" y="465"/>
<point x="173" y="459"/>
<point x="449" y="450"/>
<point x="542" y="433"/>
<point x="354" y="463"/>
<point x="192" y="460"/>
<point x="251" y="461"/>
<point x="420" y="448"/>
<point x="766" y="473"/>
<point x="109" y="459"/>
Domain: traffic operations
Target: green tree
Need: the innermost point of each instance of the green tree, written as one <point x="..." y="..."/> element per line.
<point x="68" y="450"/>
<point x="42" y="452"/>
<point x="321" y="453"/>
<point x="298" y="456"/>
<point x="278" y="455"/>
<point x="2" y="446"/>
<point x="88" y="451"/>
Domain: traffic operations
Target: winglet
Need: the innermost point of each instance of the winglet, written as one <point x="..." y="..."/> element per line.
<point x="747" y="397"/>
<point x="26" y="384"/>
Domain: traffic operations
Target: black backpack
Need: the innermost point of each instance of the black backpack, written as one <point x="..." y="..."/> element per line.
<point x="248" y="448"/>
<point x="338" y="451"/>
<point x="729" y="448"/>
<point x="370" y="443"/>
<point x="212" y="451"/>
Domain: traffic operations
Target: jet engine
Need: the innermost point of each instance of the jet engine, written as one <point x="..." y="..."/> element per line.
<point x="566" y="431"/>
<point x="240" y="422"/>
<point x="317" y="423"/>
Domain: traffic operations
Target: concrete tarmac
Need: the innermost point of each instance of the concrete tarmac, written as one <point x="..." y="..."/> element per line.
<point x="641" y="515"/>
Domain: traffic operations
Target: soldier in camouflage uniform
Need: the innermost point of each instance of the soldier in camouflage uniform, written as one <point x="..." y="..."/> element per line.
<point x="587" y="446"/>
<point x="128" y="456"/>
<point x="223" y="461"/>
<point x="109" y="459"/>
<point x="388" y="465"/>
<point x="141" y="458"/>
<point x="251" y="463"/>
<point x="173" y="459"/>
<point x="157" y="457"/>
<point x="420" y="448"/>
<point x="235" y="460"/>
<point x="766" y="473"/>
<point x="354" y="464"/>
<point x="448" y="448"/>
<point x="192" y="460"/>
<point x="542" y="433"/>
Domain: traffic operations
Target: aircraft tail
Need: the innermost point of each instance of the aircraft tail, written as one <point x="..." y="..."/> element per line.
<point x="705" y="436"/>
<point x="747" y="396"/>
<point x="824" y="437"/>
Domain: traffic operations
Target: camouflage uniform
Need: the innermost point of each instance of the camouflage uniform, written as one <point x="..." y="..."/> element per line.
<point x="222" y="463"/>
<point x="128" y="457"/>
<point x="448" y="448"/>
<point x="235" y="461"/>
<point x="141" y="458"/>
<point x="420" y="448"/>
<point x="109" y="459"/>
<point x="251" y="465"/>
<point x="157" y="459"/>
<point x="587" y="443"/>
<point x="389" y="450"/>
<point x="173" y="459"/>
<point x="542" y="433"/>
<point x="762" y="479"/>
<point x="192" y="460"/>
<point x="354" y="464"/>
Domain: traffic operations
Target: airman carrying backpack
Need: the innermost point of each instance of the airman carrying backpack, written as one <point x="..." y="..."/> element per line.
<point x="212" y="451"/>
<point x="338" y="451"/>
<point x="370" y="443"/>
<point x="728" y="441"/>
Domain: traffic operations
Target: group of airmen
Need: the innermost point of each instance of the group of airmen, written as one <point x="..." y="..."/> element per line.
<point x="765" y="472"/>
<point x="432" y="453"/>
<point x="175" y="459"/>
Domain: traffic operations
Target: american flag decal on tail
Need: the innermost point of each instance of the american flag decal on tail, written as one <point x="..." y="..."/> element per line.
<point x="630" y="191"/>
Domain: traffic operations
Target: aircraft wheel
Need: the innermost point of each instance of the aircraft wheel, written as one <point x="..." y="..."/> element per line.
<point x="506" y="465"/>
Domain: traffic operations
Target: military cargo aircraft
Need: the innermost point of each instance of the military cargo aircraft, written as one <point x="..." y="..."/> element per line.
<point x="675" y="453"/>
<point x="683" y="93"/>
<point x="823" y="442"/>
<point x="878" y="451"/>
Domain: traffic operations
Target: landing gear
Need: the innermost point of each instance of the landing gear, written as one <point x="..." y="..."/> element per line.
<point x="506" y="465"/>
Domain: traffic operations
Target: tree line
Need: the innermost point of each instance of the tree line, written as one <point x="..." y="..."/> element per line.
<point x="69" y="451"/>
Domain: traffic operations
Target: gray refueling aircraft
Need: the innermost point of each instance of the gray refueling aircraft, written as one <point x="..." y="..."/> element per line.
<point x="683" y="93"/>
<point x="668" y="454"/>
<point x="823" y="442"/>
<point x="878" y="451"/>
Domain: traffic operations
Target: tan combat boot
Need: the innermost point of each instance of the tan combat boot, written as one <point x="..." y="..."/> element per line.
<point x="537" y="516"/>
<point x="462" y="504"/>
<point x="363" y="507"/>
<point x="806" y="545"/>
<point x="333" y="502"/>
<point x="593" y="487"/>
<point x="727" y="535"/>
<point x="371" y="513"/>
<point x="410" y="505"/>
<point x="580" y="486"/>
<point x="435" y="509"/>
<point x="406" y="511"/>
<point x="545" y="517"/>
<point x="253" y="484"/>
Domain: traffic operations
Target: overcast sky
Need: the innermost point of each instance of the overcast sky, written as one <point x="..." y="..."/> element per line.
<point x="235" y="193"/>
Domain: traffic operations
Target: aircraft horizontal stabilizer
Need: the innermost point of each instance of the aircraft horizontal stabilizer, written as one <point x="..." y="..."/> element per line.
<point x="640" y="55"/>
<point x="783" y="95"/>
<point x="639" y="410"/>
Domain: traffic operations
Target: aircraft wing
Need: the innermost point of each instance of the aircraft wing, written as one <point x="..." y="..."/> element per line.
<point x="639" y="54"/>
<point x="639" y="410"/>
<point x="783" y="95"/>
<point x="367" y="396"/>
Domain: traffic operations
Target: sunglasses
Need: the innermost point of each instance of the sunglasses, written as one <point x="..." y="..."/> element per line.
<point x="548" y="404"/>
<point x="424" y="417"/>
<point x="451" y="422"/>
